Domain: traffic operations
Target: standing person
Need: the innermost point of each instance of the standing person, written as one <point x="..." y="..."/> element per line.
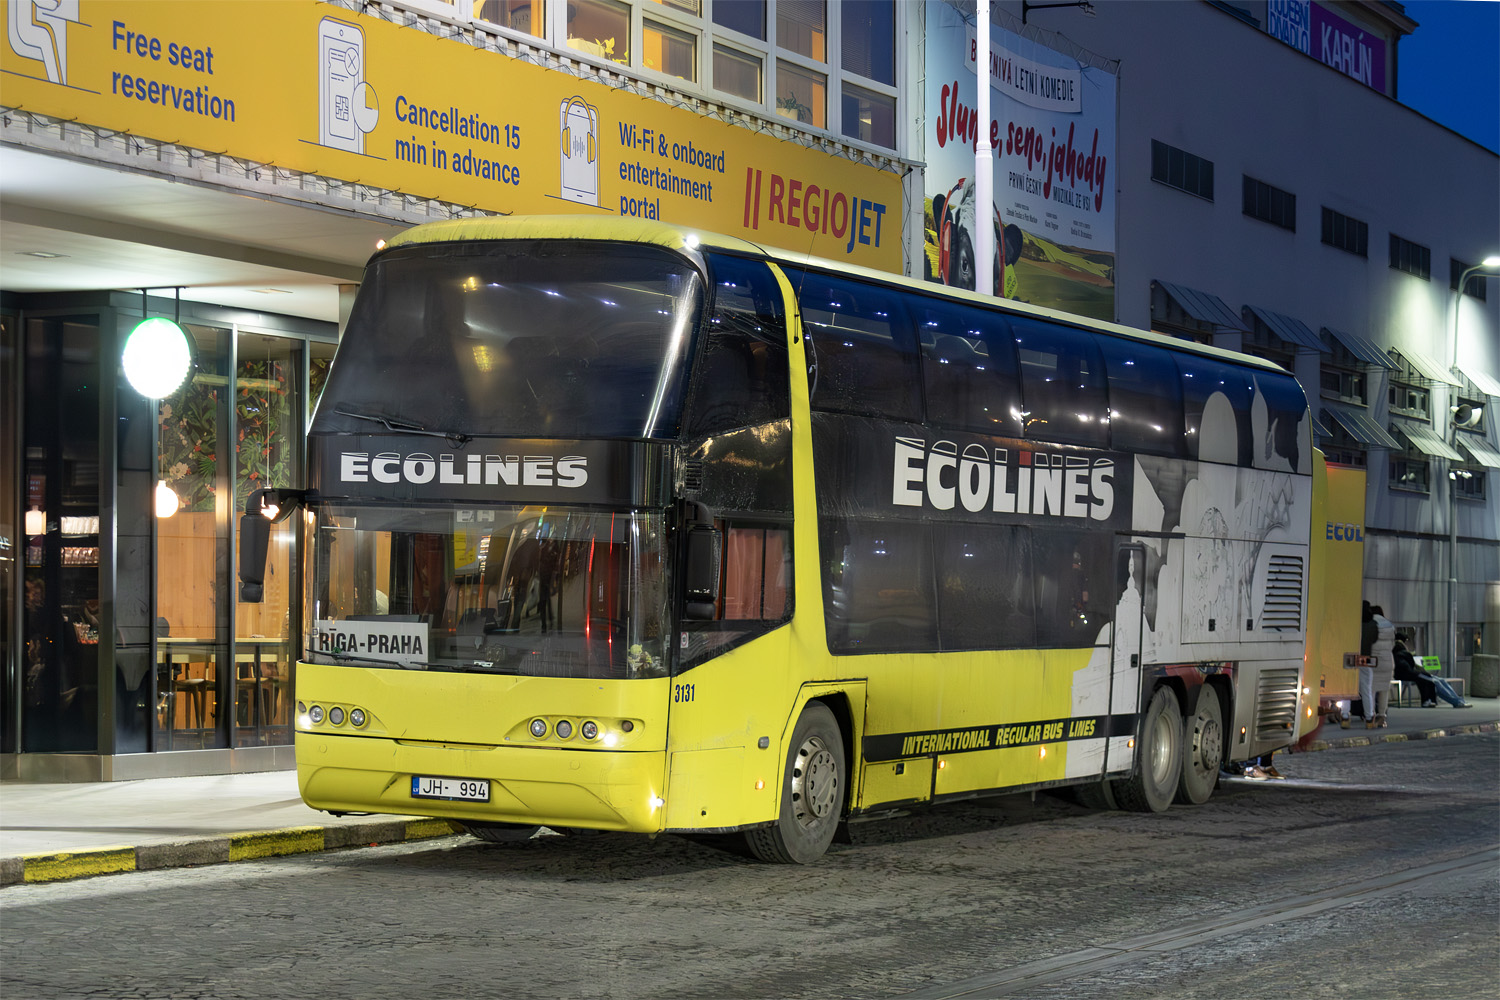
<point x="1432" y="688"/>
<point x="1383" y="649"/>
<point x="1365" y="706"/>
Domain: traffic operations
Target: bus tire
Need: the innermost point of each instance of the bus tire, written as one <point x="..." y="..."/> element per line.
<point x="1158" y="757"/>
<point x="501" y="833"/>
<point x="812" y="793"/>
<point x="1202" y="749"/>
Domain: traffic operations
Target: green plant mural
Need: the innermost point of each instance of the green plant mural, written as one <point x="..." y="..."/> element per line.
<point x="264" y="445"/>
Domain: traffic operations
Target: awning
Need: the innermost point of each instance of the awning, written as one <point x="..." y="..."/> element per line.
<point x="1364" y="350"/>
<point x="1426" y="440"/>
<point x="1204" y="307"/>
<point x="1479" y="450"/>
<point x="1485" y="383"/>
<point x="1361" y="427"/>
<point x="1427" y="370"/>
<point x="1319" y="429"/>
<point x="1291" y="330"/>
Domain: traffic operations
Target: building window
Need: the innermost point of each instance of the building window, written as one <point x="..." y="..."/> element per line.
<point x="1468" y="481"/>
<point x="1182" y="170"/>
<point x="600" y="28"/>
<point x="801" y="27"/>
<point x="1346" y="233"/>
<point x="1345" y="384"/>
<point x="1410" y="399"/>
<point x="1410" y="471"/>
<point x="1270" y="204"/>
<point x="1475" y="286"/>
<point x="869" y="39"/>
<point x="737" y="73"/>
<point x="527" y="16"/>
<point x="869" y="117"/>
<point x="748" y="17"/>
<point x="801" y="94"/>
<point x="1413" y="258"/>
<point x="670" y="51"/>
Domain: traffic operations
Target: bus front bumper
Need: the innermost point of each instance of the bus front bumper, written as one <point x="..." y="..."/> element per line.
<point x="592" y="789"/>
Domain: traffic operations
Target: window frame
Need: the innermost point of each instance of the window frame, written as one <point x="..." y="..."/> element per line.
<point x="1280" y="205"/>
<point x="1165" y="152"/>
<point x="1411" y="257"/>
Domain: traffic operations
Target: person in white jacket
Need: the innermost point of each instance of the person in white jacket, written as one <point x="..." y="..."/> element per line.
<point x="1383" y="649"/>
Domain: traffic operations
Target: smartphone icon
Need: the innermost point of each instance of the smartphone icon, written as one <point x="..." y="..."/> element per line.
<point x="580" y="151"/>
<point x="341" y="67"/>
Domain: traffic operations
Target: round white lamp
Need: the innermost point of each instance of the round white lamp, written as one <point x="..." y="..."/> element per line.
<point x="157" y="357"/>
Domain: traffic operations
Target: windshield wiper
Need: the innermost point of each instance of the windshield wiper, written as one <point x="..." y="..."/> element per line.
<point x="398" y="426"/>
<point x="398" y="664"/>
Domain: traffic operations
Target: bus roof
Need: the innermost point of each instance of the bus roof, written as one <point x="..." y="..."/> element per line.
<point x="673" y="237"/>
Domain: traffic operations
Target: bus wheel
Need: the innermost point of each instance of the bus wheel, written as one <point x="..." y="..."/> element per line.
<point x="1158" y="757"/>
<point x="1203" y="750"/>
<point x="501" y="833"/>
<point x="812" y="793"/>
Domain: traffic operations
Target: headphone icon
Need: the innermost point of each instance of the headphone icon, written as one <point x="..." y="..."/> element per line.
<point x="567" y="131"/>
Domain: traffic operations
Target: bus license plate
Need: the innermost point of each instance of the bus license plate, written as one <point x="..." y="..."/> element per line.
<point x="465" y="789"/>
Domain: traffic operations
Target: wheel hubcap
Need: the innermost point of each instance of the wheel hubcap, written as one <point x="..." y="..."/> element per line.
<point x="1210" y="749"/>
<point x="815" y="782"/>
<point x="1161" y="748"/>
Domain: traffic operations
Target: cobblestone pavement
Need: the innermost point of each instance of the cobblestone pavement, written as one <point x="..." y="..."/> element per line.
<point x="1364" y="875"/>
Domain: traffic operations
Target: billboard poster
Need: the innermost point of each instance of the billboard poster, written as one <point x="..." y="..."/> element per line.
<point x="1052" y="129"/>
<point x="358" y="98"/>
<point x="1316" y="31"/>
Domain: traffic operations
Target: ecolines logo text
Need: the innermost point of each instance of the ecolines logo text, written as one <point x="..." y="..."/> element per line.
<point x="1345" y="532"/>
<point x="569" y="471"/>
<point x="1005" y="481"/>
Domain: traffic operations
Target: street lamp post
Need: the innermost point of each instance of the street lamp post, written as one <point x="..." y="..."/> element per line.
<point x="1490" y="263"/>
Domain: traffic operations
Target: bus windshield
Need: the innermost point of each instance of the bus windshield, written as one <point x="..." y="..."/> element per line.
<point x="534" y="338"/>
<point x="547" y="592"/>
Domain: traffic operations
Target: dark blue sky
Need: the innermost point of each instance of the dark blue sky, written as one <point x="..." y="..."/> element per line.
<point x="1449" y="67"/>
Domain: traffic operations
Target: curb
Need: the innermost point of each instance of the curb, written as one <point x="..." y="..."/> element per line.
<point x="1425" y="734"/>
<point x="213" y="850"/>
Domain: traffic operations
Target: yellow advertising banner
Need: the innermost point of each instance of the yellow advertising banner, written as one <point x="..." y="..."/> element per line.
<point x="317" y="88"/>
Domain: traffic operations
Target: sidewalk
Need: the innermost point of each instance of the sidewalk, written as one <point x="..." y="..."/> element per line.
<point x="63" y="831"/>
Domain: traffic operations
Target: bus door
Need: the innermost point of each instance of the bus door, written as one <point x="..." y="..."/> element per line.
<point x="1127" y="640"/>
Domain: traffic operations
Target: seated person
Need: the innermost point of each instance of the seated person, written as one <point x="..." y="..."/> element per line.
<point x="1431" y="687"/>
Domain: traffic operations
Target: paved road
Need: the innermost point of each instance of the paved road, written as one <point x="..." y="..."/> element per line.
<point x="1365" y="875"/>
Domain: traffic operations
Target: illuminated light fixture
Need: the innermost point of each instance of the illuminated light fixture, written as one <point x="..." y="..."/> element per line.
<point x="759" y="784"/>
<point x="942" y="764"/>
<point x="167" y="501"/>
<point x="691" y="241"/>
<point x="1042" y="753"/>
<point x="656" y="801"/>
<point x="1130" y="744"/>
<point x="157" y="357"/>
<point x="36" y="522"/>
<point x="380" y="244"/>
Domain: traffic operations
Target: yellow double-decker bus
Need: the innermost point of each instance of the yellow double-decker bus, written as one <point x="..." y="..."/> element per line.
<point x="620" y="526"/>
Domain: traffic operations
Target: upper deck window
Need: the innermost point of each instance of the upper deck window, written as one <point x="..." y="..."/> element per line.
<point x="549" y="339"/>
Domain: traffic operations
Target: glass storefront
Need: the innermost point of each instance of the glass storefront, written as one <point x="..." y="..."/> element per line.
<point x="123" y="632"/>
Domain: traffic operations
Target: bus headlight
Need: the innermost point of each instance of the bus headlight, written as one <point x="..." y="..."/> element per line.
<point x="589" y="730"/>
<point x="336" y="715"/>
<point x="315" y="713"/>
<point x="564" y="729"/>
<point x="538" y="728"/>
<point x="357" y="717"/>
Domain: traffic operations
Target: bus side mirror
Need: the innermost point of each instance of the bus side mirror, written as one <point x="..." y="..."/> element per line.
<point x="263" y="508"/>
<point x="701" y="576"/>
<point x="255" y="538"/>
